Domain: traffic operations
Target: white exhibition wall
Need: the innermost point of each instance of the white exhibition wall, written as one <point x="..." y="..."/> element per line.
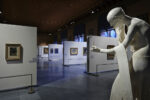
<point x="27" y="37"/>
<point x="55" y="52"/>
<point x="41" y="51"/>
<point x="99" y="61"/>
<point x="76" y="56"/>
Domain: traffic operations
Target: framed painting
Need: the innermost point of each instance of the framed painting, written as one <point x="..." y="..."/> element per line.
<point x="56" y="50"/>
<point x="13" y="52"/>
<point x="45" y="50"/>
<point x="110" y="56"/>
<point x="73" y="51"/>
<point x="84" y="51"/>
<point x="51" y="50"/>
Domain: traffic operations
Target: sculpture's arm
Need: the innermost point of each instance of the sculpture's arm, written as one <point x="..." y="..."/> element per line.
<point x="130" y="35"/>
<point x="99" y="50"/>
<point x="107" y="50"/>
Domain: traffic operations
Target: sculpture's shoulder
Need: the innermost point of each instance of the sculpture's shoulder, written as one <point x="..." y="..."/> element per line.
<point x="139" y="22"/>
<point x="139" y="25"/>
<point x="134" y="24"/>
<point x="136" y="21"/>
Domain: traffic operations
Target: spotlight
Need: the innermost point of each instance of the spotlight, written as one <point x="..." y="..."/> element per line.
<point x="92" y="12"/>
<point x="72" y="22"/>
<point x="4" y="21"/>
<point x="50" y="34"/>
<point x="59" y="29"/>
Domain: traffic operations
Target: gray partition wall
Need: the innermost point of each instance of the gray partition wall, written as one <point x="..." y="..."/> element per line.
<point x="55" y="52"/>
<point x="98" y="62"/>
<point x="22" y="68"/>
<point x="75" y="53"/>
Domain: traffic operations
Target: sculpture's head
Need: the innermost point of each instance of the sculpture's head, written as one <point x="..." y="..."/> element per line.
<point x="115" y="16"/>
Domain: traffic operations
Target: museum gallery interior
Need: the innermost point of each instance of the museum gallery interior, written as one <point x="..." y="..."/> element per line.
<point x="74" y="50"/>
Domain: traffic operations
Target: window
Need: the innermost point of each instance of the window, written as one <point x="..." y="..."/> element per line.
<point x="79" y="38"/>
<point x="108" y="33"/>
<point x="79" y="31"/>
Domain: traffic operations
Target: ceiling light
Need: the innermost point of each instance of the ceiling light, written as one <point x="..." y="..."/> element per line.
<point x="72" y="22"/>
<point x="92" y="12"/>
<point x="97" y="9"/>
<point x="0" y="12"/>
<point x="50" y="34"/>
<point x="4" y="21"/>
<point x="59" y="29"/>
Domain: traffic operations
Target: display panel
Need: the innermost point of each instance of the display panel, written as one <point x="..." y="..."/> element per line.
<point x="13" y="52"/>
<point x="73" y="51"/>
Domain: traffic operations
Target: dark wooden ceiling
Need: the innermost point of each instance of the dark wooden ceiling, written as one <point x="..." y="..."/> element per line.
<point x="47" y="15"/>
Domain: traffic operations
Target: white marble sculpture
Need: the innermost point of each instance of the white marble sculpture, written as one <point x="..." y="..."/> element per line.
<point x="134" y="75"/>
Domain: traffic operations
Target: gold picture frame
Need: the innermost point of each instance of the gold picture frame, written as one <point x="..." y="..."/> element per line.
<point x="13" y="52"/>
<point x="46" y="50"/>
<point x="110" y="56"/>
<point x="73" y="51"/>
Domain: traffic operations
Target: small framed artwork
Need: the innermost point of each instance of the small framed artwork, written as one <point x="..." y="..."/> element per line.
<point x="110" y="56"/>
<point x="73" y="51"/>
<point x="56" y="50"/>
<point x="45" y="50"/>
<point x="13" y="52"/>
<point x="51" y="50"/>
<point x="84" y="51"/>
